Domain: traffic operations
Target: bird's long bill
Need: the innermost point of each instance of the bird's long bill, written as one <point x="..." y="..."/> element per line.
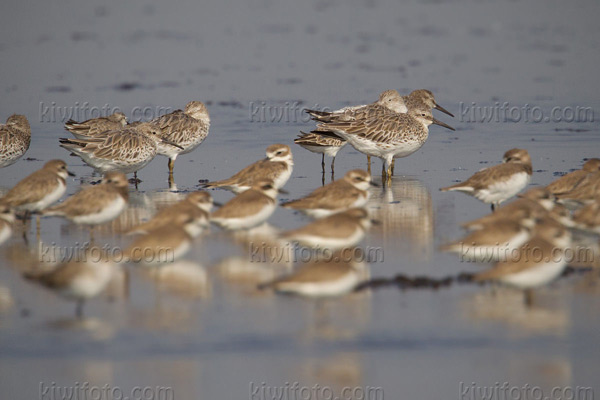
<point x="442" y="109"/>
<point x="374" y="184"/>
<point x="217" y="204"/>
<point x="166" y="141"/>
<point x="282" y="191"/>
<point x="440" y="123"/>
<point x="71" y="173"/>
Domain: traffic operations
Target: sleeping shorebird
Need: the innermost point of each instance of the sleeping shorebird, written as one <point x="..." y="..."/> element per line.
<point x="498" y="183"/>
<point x="587" y="218"/>
<point x="15" y="137"/>
<point x="248" y="209"/>
<point x="80" y="279"/>
<point x="95" y="127"/>
<point x="567" y="182"/>
<point x="585" y="192"/>
<point x="386" y="136"/>
<point x="7" y="219"/>
<point x="537" y="262"/>
<point x="187" y="129"/>
<point x="341" y="230"/>
<point x="276" y="167"/>
<point x="335" y="276"/>
<point x="95" y="204"/>
<point x="349" y="192"/>
<point x="124" y="150"/>
<point x="195" y="205"/>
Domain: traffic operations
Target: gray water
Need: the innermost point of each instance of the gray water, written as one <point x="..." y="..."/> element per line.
<point x="217" y="337"/>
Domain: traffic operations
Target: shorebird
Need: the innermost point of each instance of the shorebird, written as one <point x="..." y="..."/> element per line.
<point x="335" y="276"/>
<point x="40" y="189"/>
<point x="341" y="230"/>
<point x="187" y="129"/>
<point x="423" y="98"/>
<point x="95" y="204"/>
<point x="15" y="137"/>
<point x="96" y="127"/>
<point x="7" y="219"/>
<point x="80" y="279"/>
<point x="585" y="192"/>
<point x="386" y="136"/>
<point x="324" y="145"/>
<point x="587" y="218"/>
<point x="125" y="150"/>
<point x="537" y="262"/>
<point x="248" y="209"/>
<point x="567" y="182"/>
<point x="349" y="192"/>
<point x="276" y="167"/>
<point x="195" y="205"/>
<point x="500" y="182"/>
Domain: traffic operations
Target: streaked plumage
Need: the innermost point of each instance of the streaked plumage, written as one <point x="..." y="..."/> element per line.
<point x="96" y="127"/>
<point x="95" y="204"/>
<point x="567" y="182"/>
<point x="248" y="209"/>
<point x="423" y="98"/>
<point x="340" y="230"/>
<point x="585" y="192"/>
<point x="40" y="189"/>
<point x="15" y="137"/>
<point x="349" y="192"/>
<point x="325" y="145"/>
<point x="187" y="128"/>
<point x="276" y="167"/>
<point x="499" y="183"/>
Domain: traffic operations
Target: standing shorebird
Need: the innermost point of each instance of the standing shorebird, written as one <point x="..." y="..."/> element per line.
<point x="95" y="204"/>
<point x="349" y="192"/>
<point x="324" y="145"/>
<point x="276" y="167"/>
<point x="567" y="182"/>
<point x="125" y="150"/>
<point x="248" y="209"/>
<point x="496" y="184"/>
<point x="95" y="127"/>
<point x="386" y="136"/>
<point x="187" y="129"/>
<point x="7" y="219"/>
<point x="15" y="137"/>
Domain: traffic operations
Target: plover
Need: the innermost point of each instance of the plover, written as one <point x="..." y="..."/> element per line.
<point x="40" y="189"/>
<point x="585" y="192"/>
<point x="95" y="204"/>
<point x="96" y="127"/>
<point x="276" y="167"/>
<point x="248" y="209"/>
<point x="125" y="150"/>
<point x="187" y="129"/>
<point x="335" y="276"/>
<point x="349" y="192"/>
<point x="496" y="184"/>
<point x="195" y="205"/>
<point x="340" y="230"/>
<point x="80" y="279"/>
<point x="324" y="145"/>
<point x="15" y="137"/>
<point x="387" y="136"/>
<point x="567" y="182"/>
<point x="493" y="242"/>
<point x="7" y="219"/>
<point x="537" y="262"/>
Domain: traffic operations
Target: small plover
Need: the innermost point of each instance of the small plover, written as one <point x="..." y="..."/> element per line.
<point x="567" y="182"/>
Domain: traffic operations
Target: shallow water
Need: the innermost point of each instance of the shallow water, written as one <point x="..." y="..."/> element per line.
<point x="214" y="336"/>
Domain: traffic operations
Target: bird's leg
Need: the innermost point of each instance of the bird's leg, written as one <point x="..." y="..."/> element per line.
<point x="528" y="298"/>
<point x="79" y="309"/>
<point x="393" y="164"/>
<point x="369" y="162"/>
<point x="332" y="166"/>
<point x="171" y="166"/>
<point x="493" y="207"/>
<point x="323" y="162"/>
<point x="389" y="172"/>
<point x="382" y="170"/>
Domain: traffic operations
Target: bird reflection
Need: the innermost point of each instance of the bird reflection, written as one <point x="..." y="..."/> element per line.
<point x="183" y="278"/>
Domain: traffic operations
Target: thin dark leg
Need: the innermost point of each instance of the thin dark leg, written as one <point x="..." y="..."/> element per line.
<point x="171" y="166"/>
<point x="393" y="164"/>
<point x="493" y="207"/>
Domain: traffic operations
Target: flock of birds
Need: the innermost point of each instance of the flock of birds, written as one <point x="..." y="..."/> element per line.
<point x="525" y="239"/>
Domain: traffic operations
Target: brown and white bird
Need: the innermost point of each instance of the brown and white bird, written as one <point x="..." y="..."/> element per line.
<point x="195" y="205"/>
<point x="499" y="183"/>
<point x="538" y="261"/>
<point x="341" y="230"/>
<point x="324" y="145"/>
<point x="248" y="209"/>
<point x="7" y="219"/>
<point x="15" y="137"/>
<point x="96" y="127"/>
<point x="585" y="192"/>
<point x="276" y="167"/>
<point x="40" y="189"/>
<point x="80" y="279"/>
<point x="349" y="192"/>
<point x="567" y="182"/>
<point x="97" y="204"/>
<point x="335" y="276"/>
<point x="187" y="129"/>
<point x="587" y="218"/>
